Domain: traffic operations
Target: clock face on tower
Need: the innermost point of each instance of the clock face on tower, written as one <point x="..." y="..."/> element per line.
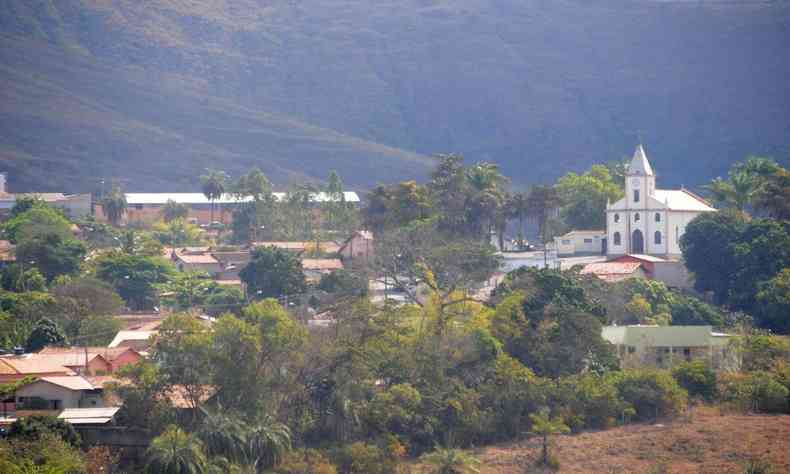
<point x="635" y="182"/>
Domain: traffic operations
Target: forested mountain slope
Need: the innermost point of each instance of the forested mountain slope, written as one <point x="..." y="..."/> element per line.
<point x="155" y="91"/>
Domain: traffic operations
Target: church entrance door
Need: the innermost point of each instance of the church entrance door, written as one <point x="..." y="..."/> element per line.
<point x="637" y="242"/>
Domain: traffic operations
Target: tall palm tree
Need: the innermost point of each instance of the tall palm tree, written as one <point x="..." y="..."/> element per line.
<point x="213" y="187"/>
<point x="488" y="188"/>
<point x="518" y="207"/>
<point x="175" y="452"/>
<point x="541" y="202"/>
<point x="114" y="205"/>
<point x="451" y="461"/>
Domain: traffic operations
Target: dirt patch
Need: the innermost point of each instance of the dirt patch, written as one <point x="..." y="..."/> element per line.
<point x="710" y="443"/>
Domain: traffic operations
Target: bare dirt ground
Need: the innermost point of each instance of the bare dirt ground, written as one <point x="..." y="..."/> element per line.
<point x="710" y="443"/>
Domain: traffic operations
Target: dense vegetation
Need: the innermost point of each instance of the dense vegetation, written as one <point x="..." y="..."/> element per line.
<point x="152" y="91"/>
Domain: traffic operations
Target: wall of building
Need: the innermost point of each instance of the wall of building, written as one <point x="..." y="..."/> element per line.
<point x="47" y="391"/>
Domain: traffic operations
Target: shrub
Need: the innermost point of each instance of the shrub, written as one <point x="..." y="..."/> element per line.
<point x="37" y="426"/>
<point x="758" y="392"/>
<point x="697" y="378"/>
<point x="651" y="393"/>
<point x="361" y="458"/>
<point x="305" y="461"/>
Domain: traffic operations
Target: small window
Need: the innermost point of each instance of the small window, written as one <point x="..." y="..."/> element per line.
<point x="658" y="217"/>
<point x="687" y="354"/>
<point x="631" y="349"/>
<point x="636" y="217"/>
<point x="617" y="217"/>
<point x="657" y="239"/>
<point x="636" y="195"/>
<point x="139" y="207"/>
<point x="587" y="241"/>
<point x="616" y="238"/>
<point x="566" y="242"/>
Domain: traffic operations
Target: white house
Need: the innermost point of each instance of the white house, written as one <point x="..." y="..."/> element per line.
<point x="649" y="220"/>
<point x="575" y="242"/>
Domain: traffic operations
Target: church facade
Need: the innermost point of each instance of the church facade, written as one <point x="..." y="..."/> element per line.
<point x="648" y="220"/>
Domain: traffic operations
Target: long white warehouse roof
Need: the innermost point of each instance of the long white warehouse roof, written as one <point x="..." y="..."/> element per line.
<point x="200" y="198"/>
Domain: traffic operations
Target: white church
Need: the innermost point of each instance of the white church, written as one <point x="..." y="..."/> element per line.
<point x="648" y="220"/>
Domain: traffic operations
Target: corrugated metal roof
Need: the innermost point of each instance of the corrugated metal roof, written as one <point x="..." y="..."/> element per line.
<point x="200" y="198"/>
<point x="95" y="416"/>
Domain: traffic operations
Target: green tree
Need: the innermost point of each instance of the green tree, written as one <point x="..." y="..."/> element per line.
<point x="97" y="330"/>
<point x="45" y="333"/>
<point x="135" y="278"/>
<point x="114" y="205"/>
<point x="773" y="196"/>
<point x="143" y="389"/>
<point x="182" y="350"/>
<point x="519" y="209"/>
<point x="172" y="211"/>
<point x="690" y="311"/>
<point x="451" y="461"/>
<point x="251" y="219"/>
<point x="708" y="252"/>
<point x="175" y="452"/>
<point x="585" y="196"/>
<point x="81" y="298"/>
<point x="38" y="221"/>
<point x="545" y="427"/>
<point x="773" y="303"/>
<point x="52" y="254"/>
<point x="272" y="273"/>
<point x="36" y="427"/>
<point x="45" y="455"/>
<point x="542" y="202"/>
<point x="213" y="187"/>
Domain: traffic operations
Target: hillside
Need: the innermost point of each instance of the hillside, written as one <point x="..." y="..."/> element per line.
<point x="712" y="443"/>
<point x="156" y="91"/>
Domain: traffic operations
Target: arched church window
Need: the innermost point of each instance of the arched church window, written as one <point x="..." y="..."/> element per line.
<point x="657" y="238"/>
<point x="636" y="217"/>
<point x="617" y="238"/>
<point x="617" y="218"/>
<point x="636" y="195"/>
<point x="658" y="217"/>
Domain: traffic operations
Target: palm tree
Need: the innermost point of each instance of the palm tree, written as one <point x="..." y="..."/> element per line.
<point x="259" y="446"/>
<point x="267" y="442"/>
<point x="488" y="194"/>
<point x="213" y="187"/>
<point x="518" y="207"/>
<point x="544" y="426"/>
<point x="224" y="436"/>
<point x="542" y="200"/>
<point x="175" y="452"/>
<point x="114" y="205"/>
<point x="451" y="461"/>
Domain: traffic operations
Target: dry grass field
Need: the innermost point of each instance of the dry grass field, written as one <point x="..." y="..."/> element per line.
<point x="711" y="442"/>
